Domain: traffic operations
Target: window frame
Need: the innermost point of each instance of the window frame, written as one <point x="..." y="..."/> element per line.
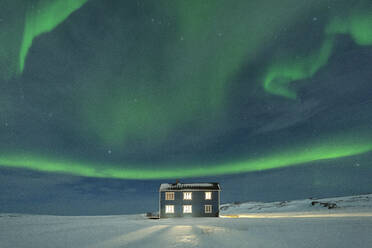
<point x="184" y="207"/>
<point x="169" y="209"/>
<point x="208" y="209"/>
<point x="168" y="194"/>
<point x="208" y="193"/>
<point x="185" y="194"/>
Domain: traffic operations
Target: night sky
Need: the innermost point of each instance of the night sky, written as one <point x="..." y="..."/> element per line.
<point x="102" y="100"/>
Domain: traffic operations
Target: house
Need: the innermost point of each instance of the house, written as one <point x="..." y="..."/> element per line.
<point x="189" y="199"/>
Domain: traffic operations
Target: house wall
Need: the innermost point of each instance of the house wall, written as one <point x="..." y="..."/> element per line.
<point x="198" y="201"/>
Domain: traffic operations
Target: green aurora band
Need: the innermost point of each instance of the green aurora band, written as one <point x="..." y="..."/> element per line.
<point x="43" y="16"/>
<point x="198" y="74"/>
<point x="281" y="74"/>
<point x="195" y="74"/>
<point x="358" y="25"/>
<point x="332" y="149"/>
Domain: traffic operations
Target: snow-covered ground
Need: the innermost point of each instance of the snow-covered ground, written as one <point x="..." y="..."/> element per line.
<point x="304" y="223"/>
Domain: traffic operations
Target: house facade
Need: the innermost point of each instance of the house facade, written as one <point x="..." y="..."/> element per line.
<point x="189" y="200"/>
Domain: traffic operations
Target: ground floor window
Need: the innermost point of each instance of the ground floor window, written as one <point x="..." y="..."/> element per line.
<point x="187" y="208"/>
<point x="169" y="209"/>
<point x="208" y="208"/>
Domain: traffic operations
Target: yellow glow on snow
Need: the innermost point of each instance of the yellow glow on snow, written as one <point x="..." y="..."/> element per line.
<point x="296" y="215"/>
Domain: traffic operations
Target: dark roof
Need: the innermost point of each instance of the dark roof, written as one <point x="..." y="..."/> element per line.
<point x="189" y="186"/>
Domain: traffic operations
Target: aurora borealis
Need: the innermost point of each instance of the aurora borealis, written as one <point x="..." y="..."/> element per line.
<point x="165" y="89"/>
<point x="337" y="149"/>
<point x="357" y="24"/>
<point x="43" y="16"/>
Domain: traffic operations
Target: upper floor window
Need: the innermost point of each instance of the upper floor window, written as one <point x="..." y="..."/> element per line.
<point x="208" y="195"/>
<point x="169" y="209"/>
<point x="169" y="196"/>
<point x="187" y="208"/>
<point x="187" y="195"/>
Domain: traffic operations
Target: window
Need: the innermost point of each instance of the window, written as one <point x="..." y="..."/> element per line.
<point x="208" y="208"/>
<point x="208" y="195"/>
<point x="187" y="195"/>
<point x="169" y="196"/>
<point x="187" y="208"/>
<point x="169" y="209"/>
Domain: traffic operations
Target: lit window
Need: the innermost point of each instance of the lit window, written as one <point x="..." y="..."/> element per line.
<point x="169" y="196"/>
<point x="187" y="195"/>
<point x="208" y="208"/>
<point x="187" y="208"/>
<point x="169" y="209"/>
<point x="208" y="195"/>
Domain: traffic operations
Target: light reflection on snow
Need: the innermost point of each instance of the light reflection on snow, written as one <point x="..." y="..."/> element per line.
<point x="183" y="236"/>
<point x="131" y="237"/>
<point x="211" y="229"/>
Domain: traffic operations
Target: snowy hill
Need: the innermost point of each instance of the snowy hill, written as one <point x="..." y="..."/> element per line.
<point x="303" y="223"/>
<point x="348" y="204"/>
